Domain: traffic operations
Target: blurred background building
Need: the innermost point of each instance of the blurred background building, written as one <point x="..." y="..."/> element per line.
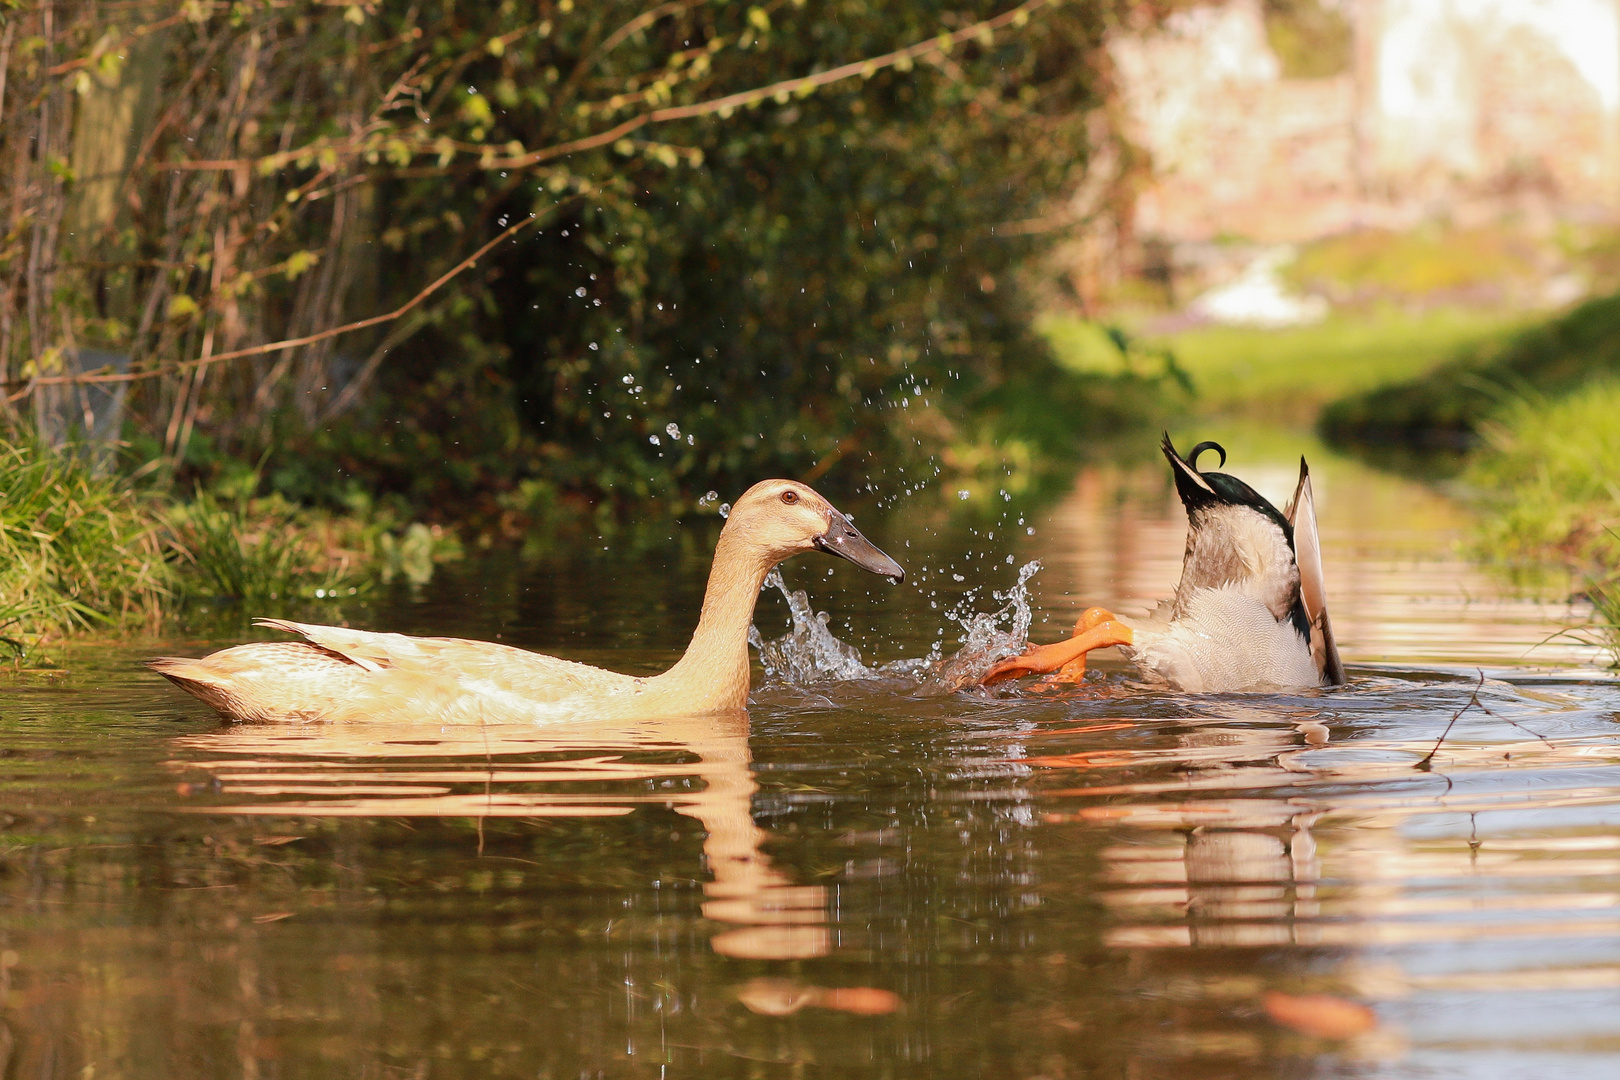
<point x="1264" y="122"/>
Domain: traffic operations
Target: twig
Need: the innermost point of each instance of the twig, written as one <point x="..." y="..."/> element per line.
<point x="277" y="346"/>
<point x="1474" y="703"/>
<point x="1473" y="699"/>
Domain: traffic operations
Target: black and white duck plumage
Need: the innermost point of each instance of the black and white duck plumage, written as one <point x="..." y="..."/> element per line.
<point x="1250" y="611"/>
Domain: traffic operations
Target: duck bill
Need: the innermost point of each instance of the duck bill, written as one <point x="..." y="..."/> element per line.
<point x="845" y="541"/>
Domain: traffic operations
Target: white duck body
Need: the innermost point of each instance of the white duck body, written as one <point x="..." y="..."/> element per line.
<point x="339" y="674"/>
<point x="1248" y="613"/>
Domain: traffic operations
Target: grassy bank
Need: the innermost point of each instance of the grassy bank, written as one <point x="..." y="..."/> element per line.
<point x="1547" y="474"/>
<point x="1289" y="375"/>
<point x="1528" y="427"/>
<point x="85" y="550"/>
<point x="1549" y="469"/>
<point x="1446" y="407"/>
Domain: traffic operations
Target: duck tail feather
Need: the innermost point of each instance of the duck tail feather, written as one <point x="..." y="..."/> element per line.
<point x="1190" y="484"/>
<point x="1312" y="583"/>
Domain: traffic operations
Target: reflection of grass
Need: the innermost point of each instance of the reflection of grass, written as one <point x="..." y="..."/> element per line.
<point x="1290" y="374"/>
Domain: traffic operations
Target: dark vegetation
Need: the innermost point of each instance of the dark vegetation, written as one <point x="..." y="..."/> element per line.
<point x="1445" y="409"/>
<point x="713" y="274"/>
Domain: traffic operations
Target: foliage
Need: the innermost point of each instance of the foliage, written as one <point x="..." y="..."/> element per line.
<point x="1312" y="38"/>
<point x="1551" y="471"/>
<point x="81" y="549"/>
<point x="771" y="228"/>
<point x="77" y="549"/>
<point x="1446" y="407"/>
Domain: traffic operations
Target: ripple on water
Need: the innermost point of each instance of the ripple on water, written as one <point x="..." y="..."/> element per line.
<point x="857" y="879"/>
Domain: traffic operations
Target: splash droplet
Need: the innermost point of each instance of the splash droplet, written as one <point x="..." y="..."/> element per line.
<point x="580" y="291"/>
<point x="673" y="431"/>
<point x="725" y="510"/>
<point x="964" y="494"/>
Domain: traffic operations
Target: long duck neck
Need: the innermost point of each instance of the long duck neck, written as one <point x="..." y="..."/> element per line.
<point x="712" y="675"/>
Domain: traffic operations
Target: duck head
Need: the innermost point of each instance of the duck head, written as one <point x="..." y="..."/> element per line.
<point x="784" y="518"/>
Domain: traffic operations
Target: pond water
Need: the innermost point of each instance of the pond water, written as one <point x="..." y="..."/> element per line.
<point x="863" y="877"/>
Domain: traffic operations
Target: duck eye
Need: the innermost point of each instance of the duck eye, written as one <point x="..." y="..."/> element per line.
<point x="790" y="497"/>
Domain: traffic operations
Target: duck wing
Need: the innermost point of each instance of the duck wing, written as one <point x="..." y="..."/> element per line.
<point x="1301" y="514"/>
<point x="477" y="666"/>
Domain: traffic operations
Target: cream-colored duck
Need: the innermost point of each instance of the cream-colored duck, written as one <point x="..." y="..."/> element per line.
<point x="341" y="674"/>
<point x="1250" y="612"/>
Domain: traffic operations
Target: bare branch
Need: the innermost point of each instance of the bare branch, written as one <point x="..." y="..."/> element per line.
<point x="278" y="346"/>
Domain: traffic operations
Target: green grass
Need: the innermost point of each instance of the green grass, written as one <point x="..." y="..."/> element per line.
<point x="1289" y="375"/>
<point x="1417" y="263"/>
<point x="1548" y="477"/>
<point x="1447" y="406"/>
<point x="77" y="549"/>
<point x="83" y="550"/>
<point x="1551" y="469"/>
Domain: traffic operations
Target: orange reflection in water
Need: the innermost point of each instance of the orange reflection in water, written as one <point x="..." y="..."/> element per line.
<point x="409" y="770"/>
<point x="1243" y="837"/>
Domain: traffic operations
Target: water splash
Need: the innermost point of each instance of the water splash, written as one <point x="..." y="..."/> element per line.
<point x="808" y="653"/>
<point x="984" y="641"/>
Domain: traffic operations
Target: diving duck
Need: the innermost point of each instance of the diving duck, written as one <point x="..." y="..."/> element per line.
<point x="339" y="674"/>
<point x="1250" y="612"/>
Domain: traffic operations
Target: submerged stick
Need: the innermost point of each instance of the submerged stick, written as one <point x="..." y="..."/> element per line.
<point x="1426" y="765"/>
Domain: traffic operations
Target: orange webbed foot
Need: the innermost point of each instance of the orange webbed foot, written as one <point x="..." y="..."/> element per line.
<point x="1097" y="628"/>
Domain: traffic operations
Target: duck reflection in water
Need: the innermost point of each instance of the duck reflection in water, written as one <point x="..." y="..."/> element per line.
<point x="338" y="674"/>
<point x="526" y="771"/>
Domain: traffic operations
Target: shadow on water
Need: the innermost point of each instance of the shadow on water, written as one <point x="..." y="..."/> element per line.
<point x="866" y="875"/>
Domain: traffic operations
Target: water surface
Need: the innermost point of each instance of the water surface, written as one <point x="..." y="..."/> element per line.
<point x="860" y="878"/>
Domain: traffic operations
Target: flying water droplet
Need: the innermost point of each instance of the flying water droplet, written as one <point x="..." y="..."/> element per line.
<point x="725" y="510"/>
<point x="673" y="430"/>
